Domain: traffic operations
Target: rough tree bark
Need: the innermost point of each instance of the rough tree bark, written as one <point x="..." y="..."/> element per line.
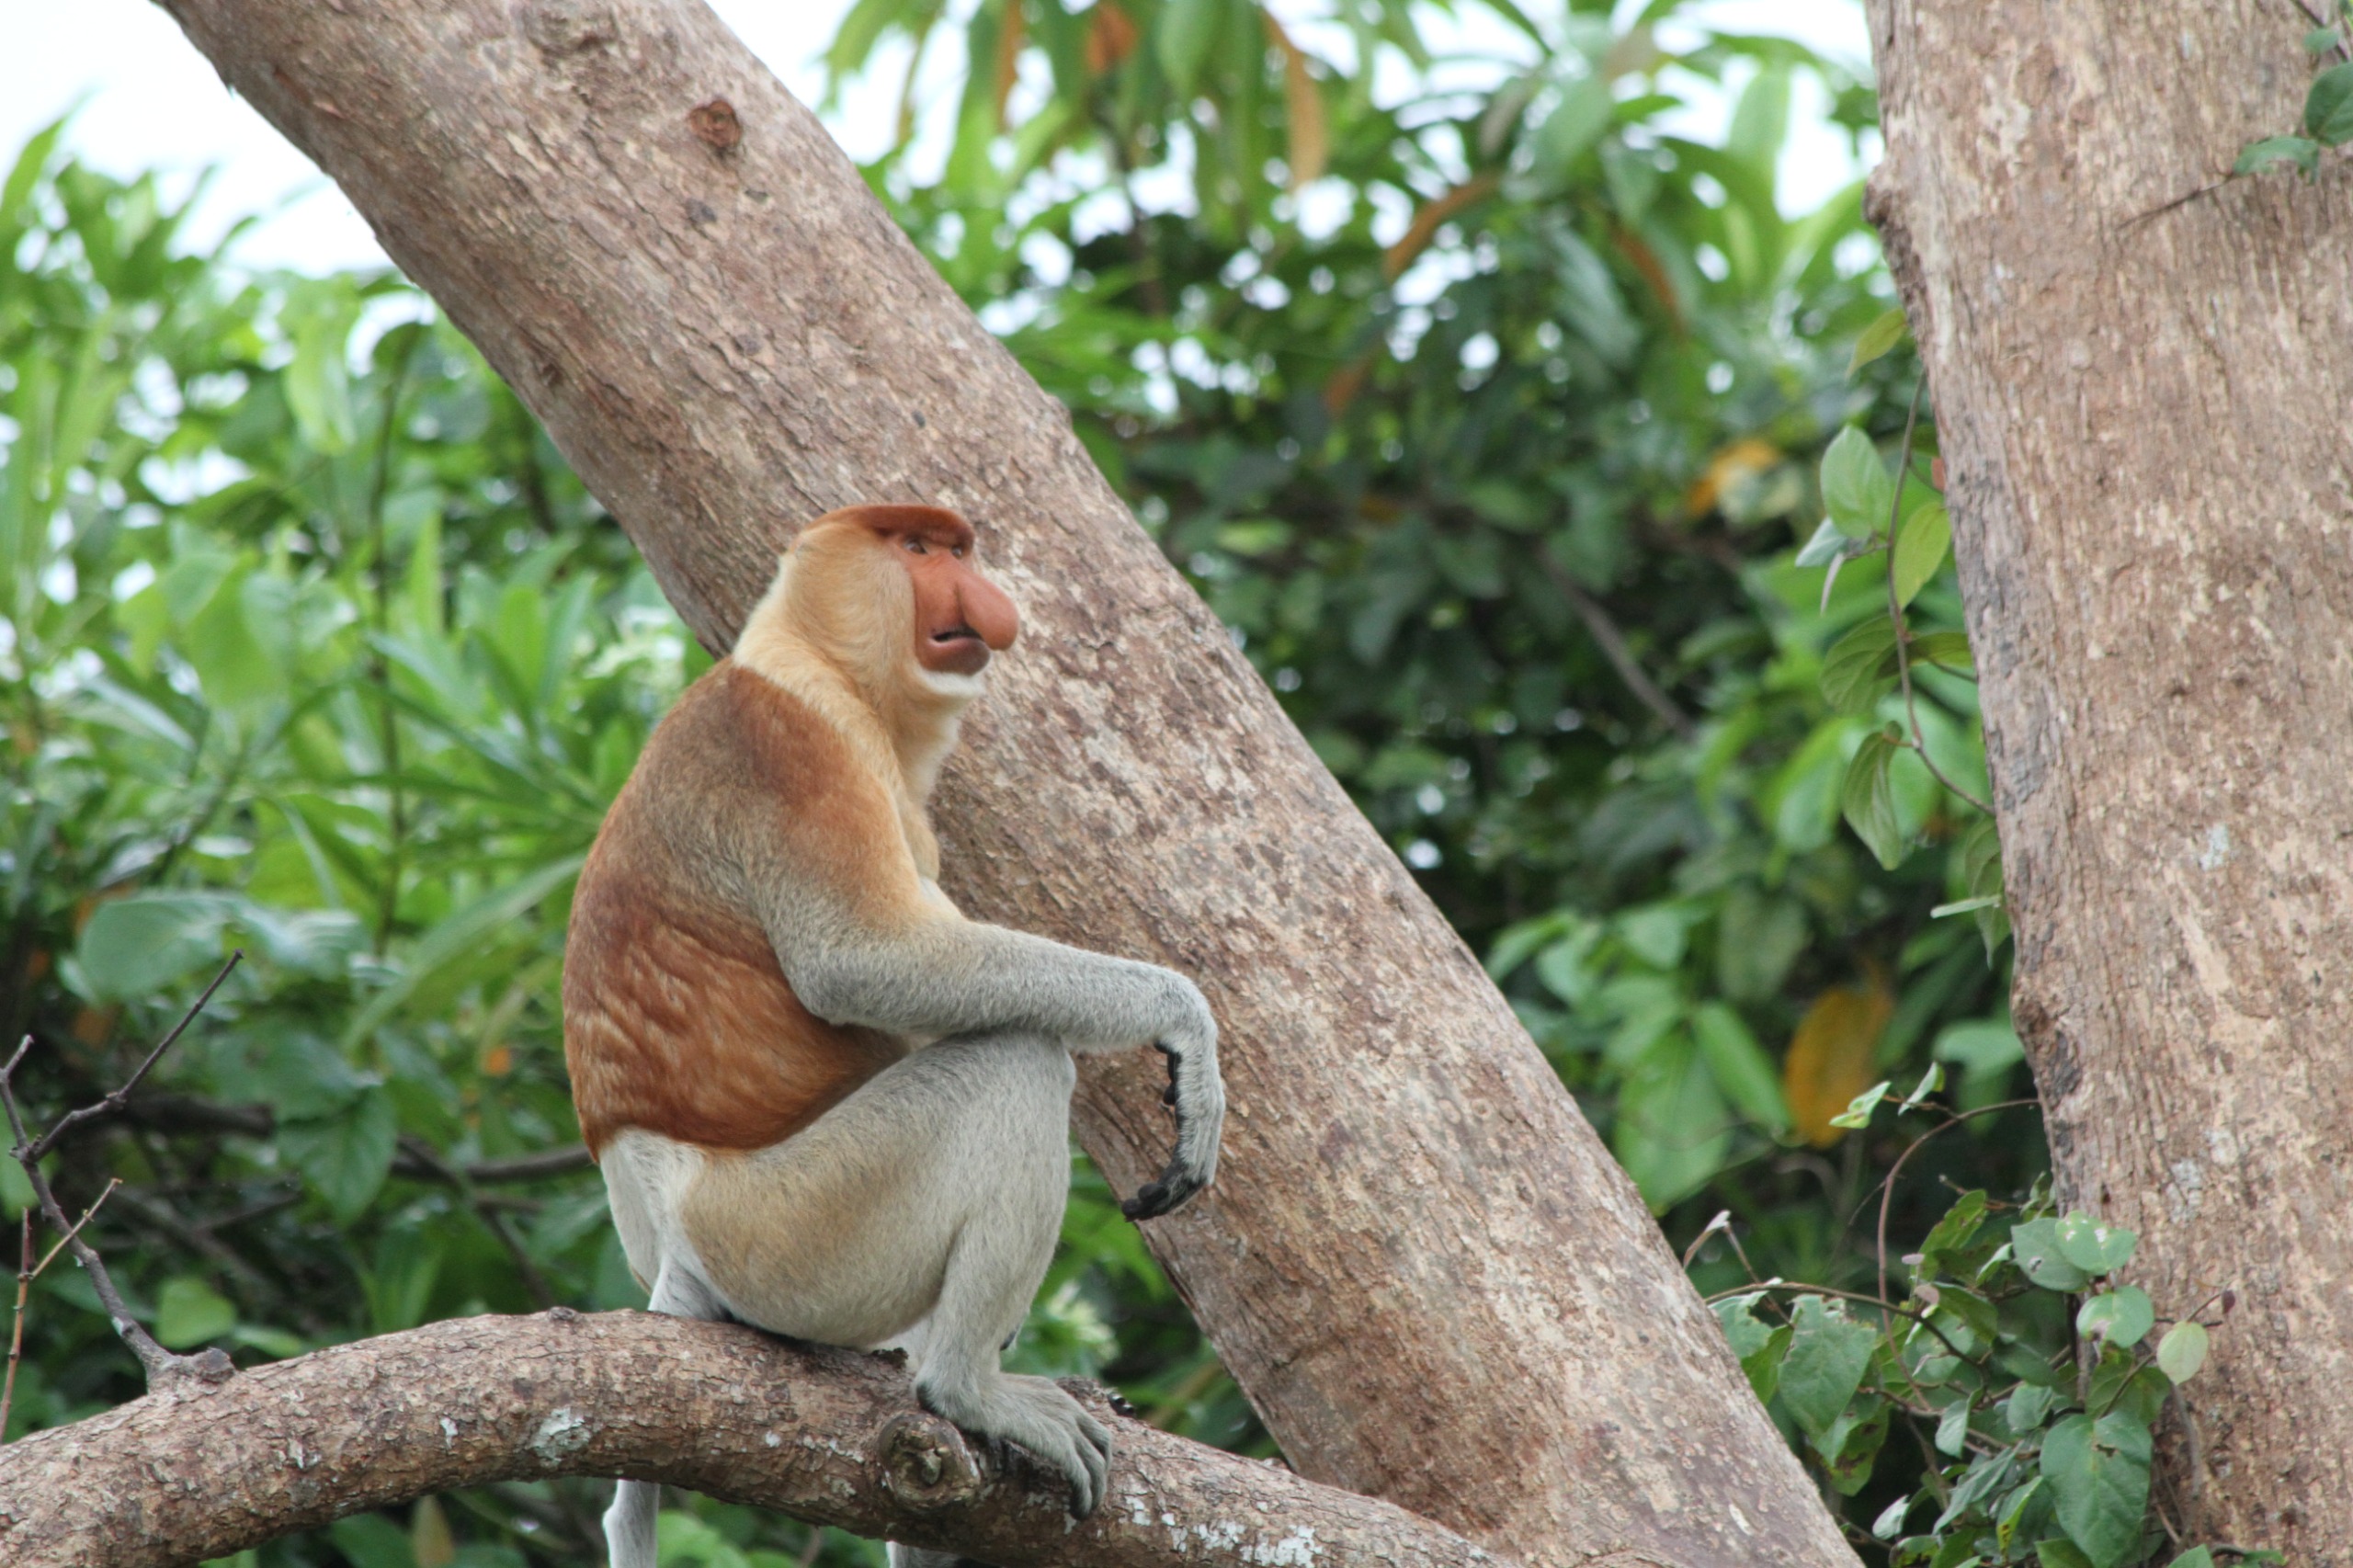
<point x="2142" y="370"/>
<point x="833" y="1436"/>
<point x="1418" y="1261"/>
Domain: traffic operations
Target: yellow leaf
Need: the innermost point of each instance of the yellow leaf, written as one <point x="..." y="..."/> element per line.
<point x="1310" y="139"/>
<point x="1830" y="1056"/>
<point x="1750" y="454"/>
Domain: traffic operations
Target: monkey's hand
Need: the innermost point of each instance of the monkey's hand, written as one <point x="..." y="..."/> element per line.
<point x="1198" y="1095"/>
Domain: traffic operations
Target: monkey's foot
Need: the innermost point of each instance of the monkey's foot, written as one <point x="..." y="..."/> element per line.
<point x="1041" y="1418"/>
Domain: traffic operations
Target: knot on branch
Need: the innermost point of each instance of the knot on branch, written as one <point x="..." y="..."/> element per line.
<point x="715" y="125"/>
<point x="927" y="1464"/>
<point x="206" y="1367"/>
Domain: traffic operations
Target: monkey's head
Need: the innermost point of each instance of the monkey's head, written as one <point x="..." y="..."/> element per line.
<point x="881" y="587"/>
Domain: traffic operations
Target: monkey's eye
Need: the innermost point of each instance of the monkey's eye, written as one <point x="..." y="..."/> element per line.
<point x="958" y="551"/>
<point x="917" y="546"/>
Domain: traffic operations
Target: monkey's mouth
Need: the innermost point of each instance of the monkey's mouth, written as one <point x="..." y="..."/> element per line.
<point x="959" y="650"/>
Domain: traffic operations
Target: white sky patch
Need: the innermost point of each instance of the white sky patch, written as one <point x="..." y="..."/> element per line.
<point x="149" y="101"/>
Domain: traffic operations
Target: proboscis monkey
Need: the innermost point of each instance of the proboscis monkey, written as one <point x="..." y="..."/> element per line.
<point x="824" y="1102"/>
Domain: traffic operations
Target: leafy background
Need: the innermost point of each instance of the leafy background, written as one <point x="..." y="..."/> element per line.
<point x="313" y="645"/>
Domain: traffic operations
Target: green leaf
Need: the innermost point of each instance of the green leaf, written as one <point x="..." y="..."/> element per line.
<point x="1760" y="1345"/>
<point x="1859" y="665"/>
<point x="1920" y="549"/>
<point x="1828" y="544"/>
<point x="2182" y="1351"/>
<point x="1758" y="938"/>
<point x="1952" y="1232"/>
<point x="1857" y="1114"/>
<point x="2328" y="107"/>
<point x="1952" y="1427"/>
<point x="1877" y="338"/>
<point x="1891" y="1519"/>
<point x="1930" y="1081"/>
<point x="458" y="936"/>
<point x="1856" y="488"/>
<point x="2035" y="1245"/>
<point x="1828" y="1354"/>
<point x="2028" y="1406"/>
<point x="2027" y="1508"/>
<point x="2060" y="1553"/>
<point x="1967" y="1317"/>
<point x="1868" y="801"/>
<point x="2196" y="1557"/>
<point x="1574" y="124"/>
<point x="2119" y="1317"/>
<point x="189" y="1312"/>
<point x="1947" y="650"/>
<point x="2098" y="1472"/>
<point x="1981" y="866"/>
<point x="346" y="1158"/>
<point x="1744" y="1073"/>
<point x="1851" y="1445"/>
<point x="2259" y="157"/>
<point x="1187" y="28"/>
<point x="371" y="1540"/>
<point x="134" y="947"/>
<point x="2094" y="1246"/>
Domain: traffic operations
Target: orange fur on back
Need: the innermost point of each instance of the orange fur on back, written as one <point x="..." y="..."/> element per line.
<point x="678" y="1015"/>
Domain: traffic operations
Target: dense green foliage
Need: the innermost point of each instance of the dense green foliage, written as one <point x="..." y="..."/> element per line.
<point x="1489" y="418"/>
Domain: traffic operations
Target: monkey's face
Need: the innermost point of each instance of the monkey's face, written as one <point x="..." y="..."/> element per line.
<point x="960" y="618"/>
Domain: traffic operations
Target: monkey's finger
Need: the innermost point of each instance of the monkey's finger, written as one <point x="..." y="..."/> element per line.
<point x="1161" y="1195"/>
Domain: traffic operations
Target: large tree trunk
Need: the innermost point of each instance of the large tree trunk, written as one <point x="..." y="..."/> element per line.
<point x="1418" y="1261"/>
<point x="2142" y="375"/>
<point x="834" y="1436"/>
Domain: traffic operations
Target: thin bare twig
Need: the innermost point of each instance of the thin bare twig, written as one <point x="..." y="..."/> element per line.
<point x="87" y="1215"/>
<point x="487" y="1212"/>
<point x="115" y="1101"/>
<point x="1612" y="644"/>
<point x="159" y="1364"/>
<point x="16" y="1331"/>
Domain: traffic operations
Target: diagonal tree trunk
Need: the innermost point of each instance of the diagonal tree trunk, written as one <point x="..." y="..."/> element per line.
<point x="2142" y="372"/>
<point x="1418" y="1260"/>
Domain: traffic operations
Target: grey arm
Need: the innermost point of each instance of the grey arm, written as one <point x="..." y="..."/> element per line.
<point x="948" y="975"/>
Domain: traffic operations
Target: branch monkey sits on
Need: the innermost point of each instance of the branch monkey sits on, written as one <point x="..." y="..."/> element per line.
<point x="824" y="1102"/>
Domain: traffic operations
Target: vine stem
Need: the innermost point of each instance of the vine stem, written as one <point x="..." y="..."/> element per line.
<point x="1917" y="739"/>
<point x="1887" y="1188"/>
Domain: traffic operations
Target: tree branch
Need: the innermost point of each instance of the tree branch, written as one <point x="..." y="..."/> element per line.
<point x="832" y="1437"/>
<point x="1604" y="631"/>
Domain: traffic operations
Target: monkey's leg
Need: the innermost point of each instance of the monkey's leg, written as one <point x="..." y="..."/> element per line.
<point x="933" y="1194"/>
<point x="629" y="1523"/>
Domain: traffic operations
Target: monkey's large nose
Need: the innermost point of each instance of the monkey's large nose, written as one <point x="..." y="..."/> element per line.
<point x="988" y="612"/>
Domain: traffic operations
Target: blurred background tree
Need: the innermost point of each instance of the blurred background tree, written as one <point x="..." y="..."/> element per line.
<point x="1487" y="417"/>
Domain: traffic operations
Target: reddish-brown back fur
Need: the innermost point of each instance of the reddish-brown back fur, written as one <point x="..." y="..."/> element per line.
<point x="678" y="1015"/>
